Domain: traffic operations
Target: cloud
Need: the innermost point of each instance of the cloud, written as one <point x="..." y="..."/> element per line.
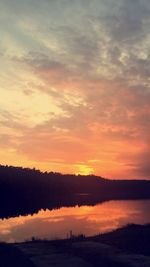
<point x="138" y="163"/>
<point x="75" y="83"/>
<point x="128" y="21"/>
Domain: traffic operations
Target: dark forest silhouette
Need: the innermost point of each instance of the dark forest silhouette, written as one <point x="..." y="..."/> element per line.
<point x="25" y="191"/>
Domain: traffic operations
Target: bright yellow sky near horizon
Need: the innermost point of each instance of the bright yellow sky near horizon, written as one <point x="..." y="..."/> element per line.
<point x="75" y="86"/>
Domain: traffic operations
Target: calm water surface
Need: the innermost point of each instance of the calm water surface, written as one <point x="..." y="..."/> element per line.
<point x="87" y="220"/>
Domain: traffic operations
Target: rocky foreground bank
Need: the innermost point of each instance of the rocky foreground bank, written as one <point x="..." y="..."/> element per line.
<point x="126" y="247"/>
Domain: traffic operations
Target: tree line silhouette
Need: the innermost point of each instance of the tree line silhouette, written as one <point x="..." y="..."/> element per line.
<point x="25" y="191"/>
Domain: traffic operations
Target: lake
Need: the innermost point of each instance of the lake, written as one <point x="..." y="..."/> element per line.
<point x="88" y="220"/>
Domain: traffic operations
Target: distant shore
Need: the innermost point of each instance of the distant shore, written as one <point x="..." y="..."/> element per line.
<point x="25" y="191"/>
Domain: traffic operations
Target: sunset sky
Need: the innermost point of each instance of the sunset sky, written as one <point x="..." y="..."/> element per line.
<point x="75" y="86"/>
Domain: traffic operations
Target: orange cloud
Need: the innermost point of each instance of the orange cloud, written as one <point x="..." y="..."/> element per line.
<point x="75" y="90"/>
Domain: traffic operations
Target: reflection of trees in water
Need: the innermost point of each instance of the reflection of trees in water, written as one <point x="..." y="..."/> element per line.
<point x="26" y="191"/>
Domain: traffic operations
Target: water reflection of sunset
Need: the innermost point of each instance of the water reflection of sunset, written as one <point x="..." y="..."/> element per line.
<point x="86" y="219"/>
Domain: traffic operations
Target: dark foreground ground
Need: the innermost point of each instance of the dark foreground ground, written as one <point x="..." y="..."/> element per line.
<point x="125" y="247"/>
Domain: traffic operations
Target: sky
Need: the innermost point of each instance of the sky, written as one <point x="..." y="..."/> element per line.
<point x="75" y="86"/>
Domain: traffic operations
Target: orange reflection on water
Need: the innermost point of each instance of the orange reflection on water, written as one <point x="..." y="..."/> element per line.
<point x="87" y="220"/>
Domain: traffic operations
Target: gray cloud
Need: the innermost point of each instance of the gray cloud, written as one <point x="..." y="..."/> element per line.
<point x="127" y="24"/>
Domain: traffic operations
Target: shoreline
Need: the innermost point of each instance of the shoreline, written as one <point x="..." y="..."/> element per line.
<point x="126" y="246"/>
